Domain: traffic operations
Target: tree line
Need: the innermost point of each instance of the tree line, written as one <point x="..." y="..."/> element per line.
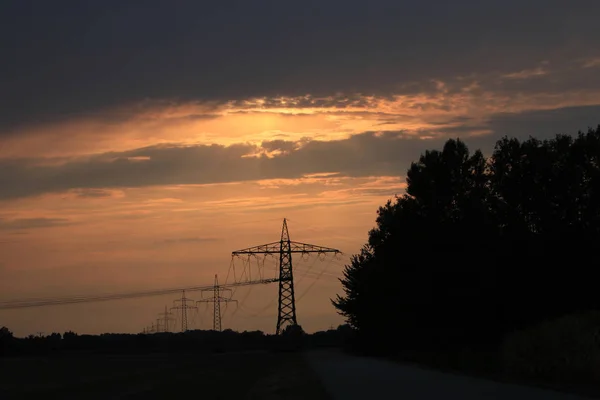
<point x="480" y="246"/>
<point x="199" y="341"/>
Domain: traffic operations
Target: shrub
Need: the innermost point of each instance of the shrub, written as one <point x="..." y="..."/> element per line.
<point x="566" y="349"/>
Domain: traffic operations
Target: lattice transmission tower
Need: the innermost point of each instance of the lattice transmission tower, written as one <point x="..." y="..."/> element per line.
<point x="217" y="299"/>
<point x="151" y="328"/>
<point x="166" y="317"/>
<point x="183" y="306"/>
<point x="285" y="248"/>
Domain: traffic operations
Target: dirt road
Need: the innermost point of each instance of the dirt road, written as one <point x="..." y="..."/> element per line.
<point x="348" y="377"/>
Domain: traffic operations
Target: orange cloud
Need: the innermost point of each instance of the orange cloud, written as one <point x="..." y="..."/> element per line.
<point x="293" y="118"/>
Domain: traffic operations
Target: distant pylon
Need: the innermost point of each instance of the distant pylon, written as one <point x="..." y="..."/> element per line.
<point x="216" y="300"/>
<point x="183" y="306"/>
<point x="166" y="317"/>
<point x="285" y="248"/>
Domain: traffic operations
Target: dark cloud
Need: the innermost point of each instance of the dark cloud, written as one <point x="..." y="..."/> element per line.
<point x="70" y="57"/>
<point x="361" y="155"/>
<point x="558" y="77"/>
<point x="460" y="119"/>
<point x="164" y="165"/>
<point x="93" y="193"/>
<point x="279" y="145"/>
<point x="544" y="124"/>
<point x="398" y="189"/>
<point x="463" y="130"/>
<point x="31" y="223"/>
<point x="366" y="154"/>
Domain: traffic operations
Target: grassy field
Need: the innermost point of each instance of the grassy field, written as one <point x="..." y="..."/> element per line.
<point x="214" y="376"/>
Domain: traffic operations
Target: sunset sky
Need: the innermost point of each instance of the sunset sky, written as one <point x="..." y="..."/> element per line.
<point x="142" y="142"/>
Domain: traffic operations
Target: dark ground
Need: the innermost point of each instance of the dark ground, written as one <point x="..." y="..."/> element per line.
<point x="487" y="365"/>
<point x="349" y="377"/>
<point x="214" y="376"/>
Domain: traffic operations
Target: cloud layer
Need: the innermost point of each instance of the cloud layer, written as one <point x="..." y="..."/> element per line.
<point x="70" y="58"/>
<point x="381" y="153"/>
<point x="361" y="155"/>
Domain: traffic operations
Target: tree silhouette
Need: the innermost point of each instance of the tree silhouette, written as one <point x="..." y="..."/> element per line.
<point x="5" y="333"/>
<point x="476" y="247"/>
<point x="6" y="340"/>
<point x="294" y="331"/>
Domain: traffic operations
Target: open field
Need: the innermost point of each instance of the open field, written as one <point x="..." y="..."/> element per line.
<point x="215" y="376"/>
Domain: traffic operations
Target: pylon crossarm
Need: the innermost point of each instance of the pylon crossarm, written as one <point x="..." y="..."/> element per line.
<point x="299" y="247"/>
<point x="268" y="248"/>
<point x="183" y="300"/>
<point x="275" y="247"/>
<point x="224" y="287"/>
<point x="221" y="299"/>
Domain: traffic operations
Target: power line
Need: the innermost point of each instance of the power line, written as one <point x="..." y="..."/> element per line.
<point x="56" y="301"/>
<point x="313" y="282"/>
<point x="108" y="296"/>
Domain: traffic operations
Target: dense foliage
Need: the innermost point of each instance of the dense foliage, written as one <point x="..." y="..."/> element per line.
<point x="479" y="247"/>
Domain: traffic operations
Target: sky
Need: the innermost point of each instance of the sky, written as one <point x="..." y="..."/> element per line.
<point x="142" y="142"/>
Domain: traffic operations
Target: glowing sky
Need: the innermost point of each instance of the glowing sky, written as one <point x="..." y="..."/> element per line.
<point x="141" y="144"/>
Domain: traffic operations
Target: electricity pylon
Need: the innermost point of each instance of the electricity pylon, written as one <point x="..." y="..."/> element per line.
<point x="166" y="317"/>
<point x="216" y="299"/>
<point x="183" y="306"/>
<point x="285" y="248"/>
